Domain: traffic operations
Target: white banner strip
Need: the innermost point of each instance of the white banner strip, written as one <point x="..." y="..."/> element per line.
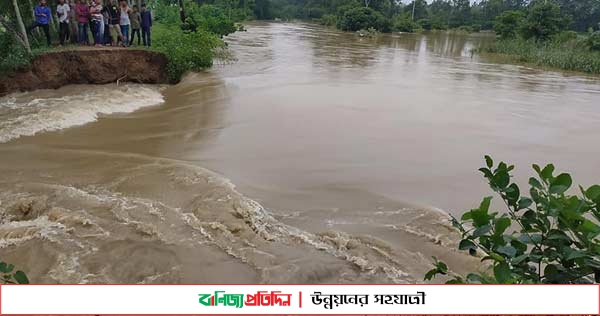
<point x="299" y="299"/>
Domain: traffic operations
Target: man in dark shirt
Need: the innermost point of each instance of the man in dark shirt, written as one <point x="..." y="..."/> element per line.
<point x="42" y="18"/>
<point x="146" y="17"/>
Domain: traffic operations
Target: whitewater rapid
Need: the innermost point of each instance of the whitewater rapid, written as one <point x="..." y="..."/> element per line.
<point x="26" y="114"/>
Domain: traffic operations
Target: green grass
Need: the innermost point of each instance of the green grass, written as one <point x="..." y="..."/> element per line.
<point x="571" y="55"/>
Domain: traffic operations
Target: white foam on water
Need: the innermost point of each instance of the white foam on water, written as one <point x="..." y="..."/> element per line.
<point x="29" y="117"/>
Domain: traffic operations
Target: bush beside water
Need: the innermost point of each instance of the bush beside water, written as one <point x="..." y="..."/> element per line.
<point x="362" y="18"/>
<point x="190" y="46"/>
<point x="549" y="236"/>
<point x="186" y="51"/>
<point x="14" y="55"/>
<point x="573" y="55"/>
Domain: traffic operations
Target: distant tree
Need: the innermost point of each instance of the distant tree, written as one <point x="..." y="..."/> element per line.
<point x="544" y="19"/>
<point x="404" y="23"/>
<point x="363" y="18"/>
<point x="461" y="13"/>
<point x="262" y="10"/>
<point x="508" y="24"/>
<point x="585" y="13"/>
<point x="439" y="13"/>
<point x="417" y="10"/>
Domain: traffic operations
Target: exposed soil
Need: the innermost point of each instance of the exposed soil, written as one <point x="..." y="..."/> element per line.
<point x="87" y="66"/>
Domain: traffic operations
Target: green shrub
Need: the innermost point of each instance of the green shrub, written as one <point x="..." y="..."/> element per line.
<point x="438" y="24"/>
<point x="328" y="20"/>
<point x="186" y="51"/>
<point x="165" y="13"/>
<point x="13" y="55"/>
<point x="507" y="24"/>
<point x="465" y="29"/>
<point x="424" y="24"/>
<point x="593" y="41"/>
<point x="209" y="18"/>
<point x="543" y="21"/>
<point x="404" y="24"/>
<point x="476" y="28"/>
<point x="547" y="237"/>
<point x="363" y="18"/>
<point x="565" y="37"/>
<point x="371" y="32"/>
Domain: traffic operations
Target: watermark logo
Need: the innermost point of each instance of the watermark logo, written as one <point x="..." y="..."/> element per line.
<point x="261" y="298"/>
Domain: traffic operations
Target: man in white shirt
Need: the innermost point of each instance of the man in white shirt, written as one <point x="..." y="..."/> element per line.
<point x="62" y="10"/>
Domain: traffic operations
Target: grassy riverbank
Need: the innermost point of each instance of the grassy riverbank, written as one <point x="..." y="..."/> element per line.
<point x="571" y="55"/>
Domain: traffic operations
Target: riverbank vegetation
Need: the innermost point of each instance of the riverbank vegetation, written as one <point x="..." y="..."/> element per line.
<point x="541" y="36"/>
<point x="549" y="236"/>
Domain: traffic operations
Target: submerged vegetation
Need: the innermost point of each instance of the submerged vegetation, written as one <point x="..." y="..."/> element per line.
<point x="550" y="236"/>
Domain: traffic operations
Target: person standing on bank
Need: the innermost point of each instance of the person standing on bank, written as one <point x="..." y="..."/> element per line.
<point x="96" y="13"/>
<point x="114" y="22"/>
<point x="73" y="23"/>
<point x="146" y="26"/>
<point x="83" y="19"/>
<point x="136" y="20"/>
<point x="62" y="11"/>
<point x="107" y="36"/>
<point x="125" y="22"/>
<point x="42" y="18"/>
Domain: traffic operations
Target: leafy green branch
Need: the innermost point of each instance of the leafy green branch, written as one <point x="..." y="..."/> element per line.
<point x="7" y="276"/>
<point x="549" y="236"/>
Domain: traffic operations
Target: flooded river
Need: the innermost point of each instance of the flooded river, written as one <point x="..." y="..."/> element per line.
<point x="316" y="157"/>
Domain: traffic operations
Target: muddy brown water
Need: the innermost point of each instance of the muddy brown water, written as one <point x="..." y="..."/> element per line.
<point x="317" y="157"/>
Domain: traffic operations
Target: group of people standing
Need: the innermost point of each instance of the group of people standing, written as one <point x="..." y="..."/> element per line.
<point x="111" y="24"/>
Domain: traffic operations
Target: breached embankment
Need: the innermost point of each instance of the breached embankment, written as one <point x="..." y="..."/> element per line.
<point x="87" y="66"/>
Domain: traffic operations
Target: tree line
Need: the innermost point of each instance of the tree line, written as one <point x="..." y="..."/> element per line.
<point x="397" y="15"/>
<point x="387" y="15"/>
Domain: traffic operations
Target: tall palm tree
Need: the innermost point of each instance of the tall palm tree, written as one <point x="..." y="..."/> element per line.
<point x="21" y="26"/>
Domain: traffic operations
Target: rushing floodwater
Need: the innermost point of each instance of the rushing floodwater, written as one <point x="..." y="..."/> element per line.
<point x="330" y="156"/>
